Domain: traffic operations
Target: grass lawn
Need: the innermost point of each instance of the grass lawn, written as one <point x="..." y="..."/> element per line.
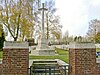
<point x="98" y="50"/>
<point x="62" y="57"/>
<point x="62" y="54"/>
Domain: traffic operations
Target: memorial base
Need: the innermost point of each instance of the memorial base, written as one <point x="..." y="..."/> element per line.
<point x="43" y="52"/>
<point x="43" y="48"/>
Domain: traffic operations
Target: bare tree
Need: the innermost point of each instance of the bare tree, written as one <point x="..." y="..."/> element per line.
<point x="17" y="18"/>
<point x="52" y="20"/>
<point x="94" y="28"/>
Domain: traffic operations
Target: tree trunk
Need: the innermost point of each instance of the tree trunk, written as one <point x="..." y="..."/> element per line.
<point x="15" y="38"/>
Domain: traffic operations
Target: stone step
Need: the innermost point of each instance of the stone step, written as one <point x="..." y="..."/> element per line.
<point x="44" y="61"/>
<point x="45" y="64"/>
<point x="46" y="74"/>
<point x="44" y="67"/>
<point x="46" y="70"/>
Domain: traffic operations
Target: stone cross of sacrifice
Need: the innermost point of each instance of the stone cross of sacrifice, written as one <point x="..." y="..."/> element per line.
<point x="43" y="9"/>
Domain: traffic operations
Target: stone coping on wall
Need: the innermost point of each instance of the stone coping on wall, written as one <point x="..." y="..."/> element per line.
<point x="15" y="44"/>
<point x="81" y="45"/>
<point x="61" y="63"/>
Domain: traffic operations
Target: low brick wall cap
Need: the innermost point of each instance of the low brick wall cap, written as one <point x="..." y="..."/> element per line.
<point x="15" y="44"/>
<point x="81" y="45"/>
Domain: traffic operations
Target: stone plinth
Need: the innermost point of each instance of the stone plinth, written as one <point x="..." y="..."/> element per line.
<point x="82" y="59"/>
<point x="43" y="48"/>
<point x="15" y="58"/>
<point x="43" y="52"/>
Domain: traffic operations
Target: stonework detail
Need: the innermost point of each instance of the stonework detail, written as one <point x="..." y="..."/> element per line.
<point x="82" y="60"/>
<point x="17" y="44"/>
<point x="15" y="61"/>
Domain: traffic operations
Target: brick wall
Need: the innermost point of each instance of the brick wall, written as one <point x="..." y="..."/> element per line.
<point x="15" y="61"/>
<point x="82" y="60"/>
<point x="97" y="69"/>
<point x="72" y="61"/>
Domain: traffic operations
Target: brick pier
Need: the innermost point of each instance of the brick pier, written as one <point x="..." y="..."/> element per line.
<point x="82" y="59"/>
<point x="15" y="58"/>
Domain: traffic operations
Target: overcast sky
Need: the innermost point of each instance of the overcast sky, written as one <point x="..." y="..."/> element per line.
<point x="75" y="14"/>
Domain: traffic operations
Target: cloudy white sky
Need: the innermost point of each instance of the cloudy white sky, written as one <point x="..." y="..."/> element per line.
<point x="75" y="14"/>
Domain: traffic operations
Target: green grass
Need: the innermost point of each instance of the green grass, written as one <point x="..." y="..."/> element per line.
<point x="62" y="57"/>
<point x="1" y="54"/>
<point x="98" y="50"/>
<point x="62" y="54"/>
<point x="61" y="51"/>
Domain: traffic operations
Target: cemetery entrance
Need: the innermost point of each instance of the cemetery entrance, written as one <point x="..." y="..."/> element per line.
<point x="48" y="67"/>
<point x="44" y="70"/>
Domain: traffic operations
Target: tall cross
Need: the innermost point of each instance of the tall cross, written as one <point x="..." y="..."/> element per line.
<point x="43" y="9"/>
